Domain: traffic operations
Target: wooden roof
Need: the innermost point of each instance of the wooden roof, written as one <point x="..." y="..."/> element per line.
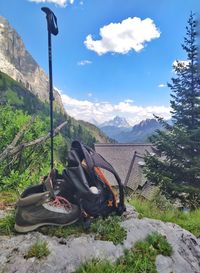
<point x="127" y="160"/>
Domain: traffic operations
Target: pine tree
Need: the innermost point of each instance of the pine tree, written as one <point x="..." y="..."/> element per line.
<point x="177" y="171"/>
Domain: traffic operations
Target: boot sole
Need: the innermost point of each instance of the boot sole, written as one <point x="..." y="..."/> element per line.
<point x="22" y="229"/>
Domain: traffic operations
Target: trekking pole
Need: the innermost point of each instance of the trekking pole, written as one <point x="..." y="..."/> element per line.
<point x="52" y="29"/>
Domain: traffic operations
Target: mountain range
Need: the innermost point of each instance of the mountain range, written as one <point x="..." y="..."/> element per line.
<point x="121" y="131"/>
<point x="114" y="127"/>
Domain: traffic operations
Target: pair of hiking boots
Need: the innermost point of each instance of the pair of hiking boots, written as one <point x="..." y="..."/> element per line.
<point x="45" y="204"/>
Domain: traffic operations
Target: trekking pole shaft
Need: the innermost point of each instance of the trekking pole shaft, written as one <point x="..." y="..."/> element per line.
<point x="51" y="98"/>
<point x="52" y="29"/>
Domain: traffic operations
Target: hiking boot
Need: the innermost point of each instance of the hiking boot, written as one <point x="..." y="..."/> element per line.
<point x="37" y="208"/>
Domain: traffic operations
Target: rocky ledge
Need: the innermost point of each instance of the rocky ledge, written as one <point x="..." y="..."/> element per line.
<point x="66" y="255"/>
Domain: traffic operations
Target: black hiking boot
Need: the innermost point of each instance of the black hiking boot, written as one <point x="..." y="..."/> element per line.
<point x="39" y="206"/>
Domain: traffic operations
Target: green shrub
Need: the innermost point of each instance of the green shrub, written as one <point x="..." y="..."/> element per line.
<point x="38" y="250"/>
<point x="25" y="168"/>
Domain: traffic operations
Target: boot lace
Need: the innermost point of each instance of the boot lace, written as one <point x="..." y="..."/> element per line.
<point x="60" y="201"/>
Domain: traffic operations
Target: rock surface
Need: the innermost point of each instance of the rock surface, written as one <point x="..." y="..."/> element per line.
<point x="67" y="254"/>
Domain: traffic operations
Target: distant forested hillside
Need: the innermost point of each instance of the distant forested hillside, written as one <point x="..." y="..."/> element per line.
<point x="17" y="96"/>
<point x="23" y="119"/>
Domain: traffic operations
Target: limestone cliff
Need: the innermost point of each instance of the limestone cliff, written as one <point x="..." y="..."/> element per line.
<point x="18" y="63"/>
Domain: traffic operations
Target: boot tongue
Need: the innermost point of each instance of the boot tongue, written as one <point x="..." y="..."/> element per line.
<point x="49" y="182"/>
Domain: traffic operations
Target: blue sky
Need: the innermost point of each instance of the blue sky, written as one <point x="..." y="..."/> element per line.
<point x="111" y="57"/>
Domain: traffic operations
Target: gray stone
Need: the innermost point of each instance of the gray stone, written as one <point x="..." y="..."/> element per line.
<point x="66" y="255"/>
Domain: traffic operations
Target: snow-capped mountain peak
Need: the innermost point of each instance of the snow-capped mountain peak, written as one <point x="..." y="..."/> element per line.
<point x="117" y="121"/>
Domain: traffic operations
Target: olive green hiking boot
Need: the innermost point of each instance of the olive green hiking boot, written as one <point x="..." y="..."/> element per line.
<point x="37" y="207"/>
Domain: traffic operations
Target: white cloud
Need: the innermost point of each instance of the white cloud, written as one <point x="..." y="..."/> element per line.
<point x="162" y="85"/>
<point x="103" y="111"/>
<point x="84" y="62"/>
<point x="89" y="94"/>
<point x="61" y="3"/>
<point x="128" y="100"/>
<point x="130" y="34"/>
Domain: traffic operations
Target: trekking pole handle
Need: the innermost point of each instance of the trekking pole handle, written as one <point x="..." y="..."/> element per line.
<point x="51" y="21"/>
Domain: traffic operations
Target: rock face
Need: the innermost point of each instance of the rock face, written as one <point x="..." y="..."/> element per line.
<point x="117" y="121"/>
<point x="140" y="132"/>
<point x="115" y="127"/>
<point x="66" y="255"/>
<point x="17" y="62"/>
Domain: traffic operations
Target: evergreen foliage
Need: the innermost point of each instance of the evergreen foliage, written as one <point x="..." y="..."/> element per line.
<point x="178" y="172"/>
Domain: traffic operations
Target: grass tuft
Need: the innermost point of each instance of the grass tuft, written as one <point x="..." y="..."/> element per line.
<point x="97" y="266"/>
<point x="62" y="232"/>
<point x="160" y="244"/>
<point x="38" y="250"/>
<point x="140" y="258"/>
<point x="7" y="224"/>
<point x="189" y="221"/>
<point x="109" y="229"/>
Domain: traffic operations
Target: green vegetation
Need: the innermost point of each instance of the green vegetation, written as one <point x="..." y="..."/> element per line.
<point x="140" y="258"/>
<point x="18" y="97"/>
<point x="13" y="98"/>
<point x="7" y="224"/>
<point x="17" y="108"/>
<point x="7" y="199"/>
<point x="62" y="232"/>
<point x="189" y="221"/>
<point x="98" y="266"/>
<point x="38" y="250"/>
<point x="109" y="229"/>
<point x="178" y="171"/>
<point x="28" y="165"/>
